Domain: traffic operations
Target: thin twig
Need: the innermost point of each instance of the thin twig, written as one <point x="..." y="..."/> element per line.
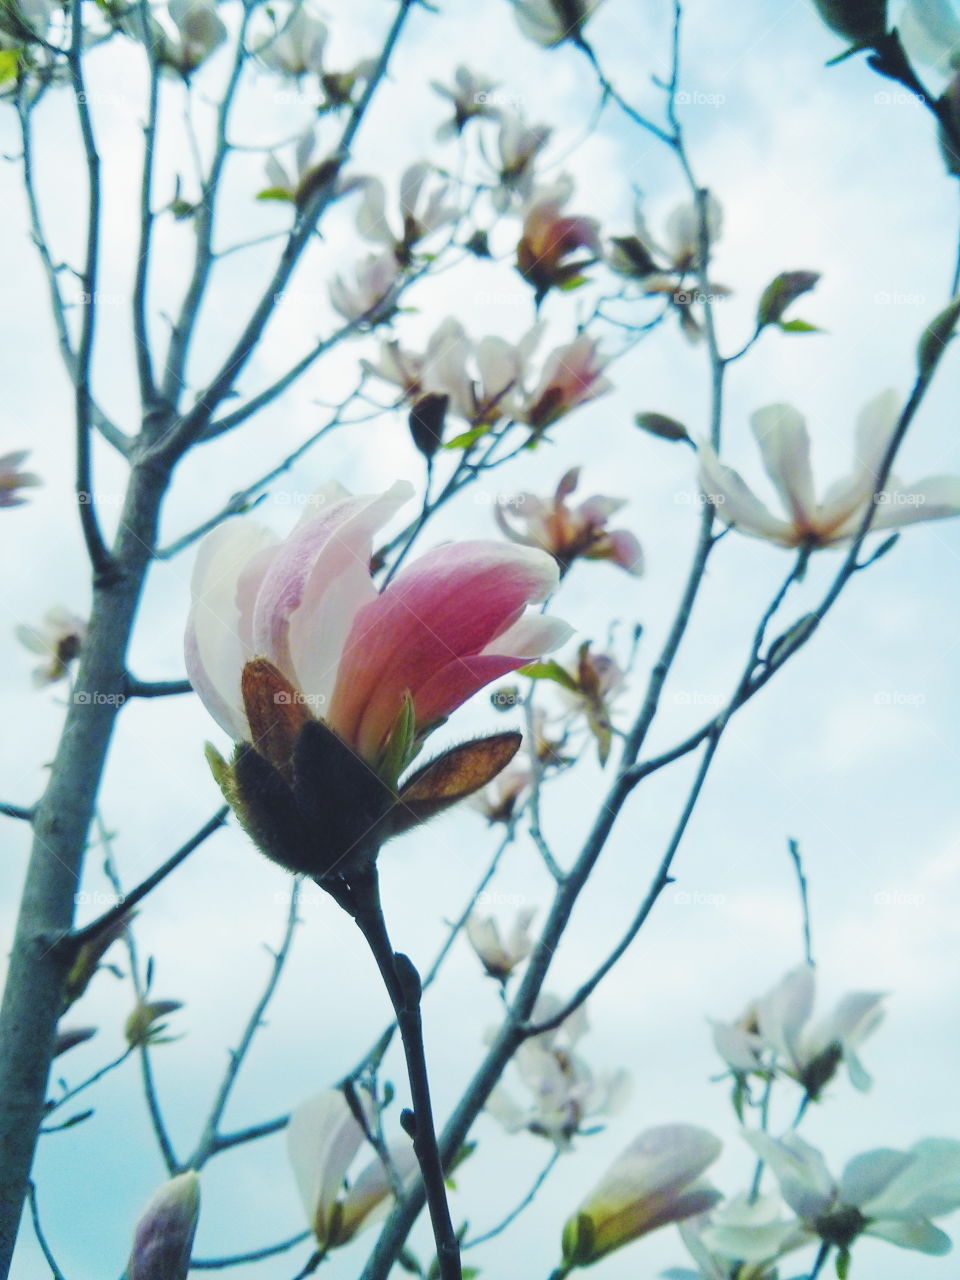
<point x="129" y="900"/>
<point x="255" y="1255"/>
<point x="56" y="1273"/>
<point x="516" y="1212"/>
<point x="209" y="1142"/>
<point x="15" y="811"/>
<point x="794" y="850"/>
<point x="85" y="1084"/>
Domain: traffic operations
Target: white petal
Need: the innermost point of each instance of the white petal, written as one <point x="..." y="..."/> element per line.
<point x="781" y="433"/>
<point x="531" y="636"/>
<point x="322" y="1140"/>
<point x="736" y="504"/>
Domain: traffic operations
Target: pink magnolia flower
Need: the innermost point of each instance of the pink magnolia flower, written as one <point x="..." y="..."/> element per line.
<point x="12" y="479"/>
<point x="572" y="375"/>
<point x="294" y="651"/>
<point x="781" y="433"/>
<point x="570" y="533"/>
<point x="323" y="1140"/>
<point x="549" y="237"/>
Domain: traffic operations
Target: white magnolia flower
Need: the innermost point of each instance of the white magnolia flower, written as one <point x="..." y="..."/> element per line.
<point x="199" y="32"/>
<point x="656" y="1181"/>
<point x="473" y="97"/>
<point x="519" y="144"/>
<point x="323" y="1139"/>
<point x="58" y="639"/>
<point x="297" y="46"/>
<point x="565" y="1091"/>
<point x="498" y="800"/>
<point x="13" y="479"/>
<point x="885" y="1193"/>
<point x="930" y="31"/>
<point x="550" y="22"/>
<point x="745" y="1227"/>
<point x="421" y="212"/>
<point x="781" y="433"/>
<point x="809" y="1052"/>
<point x="24" y="20"/>
<point x="372" y="293"/>
<point x="501" y="953"/>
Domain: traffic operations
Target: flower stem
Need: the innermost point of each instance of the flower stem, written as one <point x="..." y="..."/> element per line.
<point x="402" y="981"/>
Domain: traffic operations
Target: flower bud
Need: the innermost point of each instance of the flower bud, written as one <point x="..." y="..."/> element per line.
<point x="862" y="22"/>
<point x="164" y="1235"/>
<point x="143" y="1027"/>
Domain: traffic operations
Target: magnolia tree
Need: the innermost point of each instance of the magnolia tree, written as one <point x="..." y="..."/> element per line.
<point x="235" y="291"/>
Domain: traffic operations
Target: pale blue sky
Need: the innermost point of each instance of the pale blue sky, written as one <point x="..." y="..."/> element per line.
<point x="852" y="751"/>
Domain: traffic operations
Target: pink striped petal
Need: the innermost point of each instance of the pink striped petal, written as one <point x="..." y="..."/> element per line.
<point x="291" y="606"/>
<point x="448" y="606"/>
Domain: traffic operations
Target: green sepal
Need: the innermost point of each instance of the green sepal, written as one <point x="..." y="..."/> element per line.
<point x="400" y="747"/>
<point x="549" y="670"/>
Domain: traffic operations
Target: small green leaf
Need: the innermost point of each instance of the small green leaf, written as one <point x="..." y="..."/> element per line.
<point x="276" y="193"/>
<point x="468" y="438"/>
<point x="549" y="670"/>
<point x="843" y="1264"/>
<point x="798" y="326"/>
<point x="575" y="282"/>
<point x="781" y="292"/>
<point x="9" y="64"/>
<point x="936" y="336"/>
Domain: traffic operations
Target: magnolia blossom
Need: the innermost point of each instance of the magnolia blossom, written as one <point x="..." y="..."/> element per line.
<point x="372" y="295"/>
<point x="885" y="1193"/>
<point x="501" y="953"/>
<point x="656" y="1181"/>
<point x="295" y="186"/>
<point x="755" y="1215"/>
<point x="589" y="691"/>
<point x="420" y="213"/>
<point x="297" y="46"/>
<point x="334" y="685"/>
<point x="519" y="145"/>
<point x="323" y="1140"/>
<point x="549" y="237"/>
<point x="164" y="1235"/>
<point x="570" y="533"/>
<point x="930" y="31"/>
<point x="565" y="1091"/>
<point x="472" y="97"/>
<point x="58" y="639"/>
<point x="199" y="31"/>
<point x="481" y="380"/>
<point x="756" y="1220"/>
<point x="550" y="22"/>
<point x="12" y="479"/>
<point x="781" y="433"/>
<point x="572" y="375"/>
<point x="809" y="1052"/>
<point x="499" y="799"/>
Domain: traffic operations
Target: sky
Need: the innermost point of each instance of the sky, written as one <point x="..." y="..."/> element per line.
<point x="852" y="750"/>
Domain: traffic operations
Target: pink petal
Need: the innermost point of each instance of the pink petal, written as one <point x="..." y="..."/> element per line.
<point x="446" y="607"/>
<point x="290" y="612"/>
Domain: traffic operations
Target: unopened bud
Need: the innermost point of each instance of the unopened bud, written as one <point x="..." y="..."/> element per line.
<point x="70" y="1037"/>
<point x="163" y="1238"/>
<point x="143" y="1027"/>
<point x="658" y="424"/>
<point x="862" y="22"/>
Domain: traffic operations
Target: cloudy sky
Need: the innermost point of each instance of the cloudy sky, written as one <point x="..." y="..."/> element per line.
<point x="852" y="750"/>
